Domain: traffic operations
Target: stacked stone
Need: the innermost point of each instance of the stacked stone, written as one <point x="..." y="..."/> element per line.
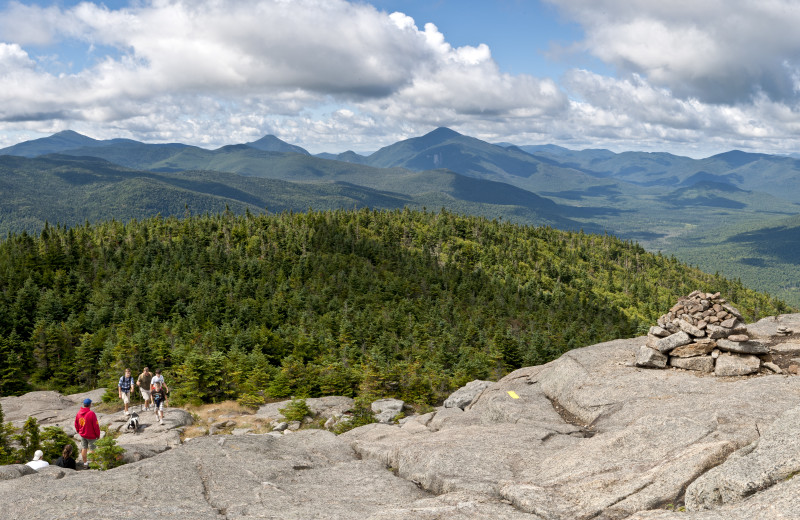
<point x="702" y="332"/>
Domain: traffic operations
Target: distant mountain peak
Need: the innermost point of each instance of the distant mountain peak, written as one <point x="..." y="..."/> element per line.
<point x="268" y="139"/>
<point x="441" y="133"/>
<point x="270" y="143"/>
<point x="58" y="142"/>
<point x="69" y="133"/>
<point x="738" y="158"/>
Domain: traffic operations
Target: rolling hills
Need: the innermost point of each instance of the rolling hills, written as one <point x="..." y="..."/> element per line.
<point x="361" y="302"/>
<point x="70" y="190"/>
<point x="661" y="200"/>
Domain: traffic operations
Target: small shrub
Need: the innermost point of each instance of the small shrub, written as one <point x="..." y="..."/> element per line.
<point x="6" y="453"/>
<point x="250" y="400"/>
<point x="107" y="455"/>
<point x="53" y="441"/>
<point x="6" y="432"/>
<point x="28" y="439"/>
<point x="296" y="410"/>
<point x="111" y="396"/>
<point x="362" y="414"/>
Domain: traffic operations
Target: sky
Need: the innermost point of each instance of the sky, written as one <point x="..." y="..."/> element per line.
<point x="692" y="78"/>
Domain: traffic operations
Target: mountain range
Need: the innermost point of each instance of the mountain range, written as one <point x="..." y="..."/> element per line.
<point x="677" y="205"/>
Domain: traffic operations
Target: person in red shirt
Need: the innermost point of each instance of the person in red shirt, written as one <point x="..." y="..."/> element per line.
<point x="88" y="428"/>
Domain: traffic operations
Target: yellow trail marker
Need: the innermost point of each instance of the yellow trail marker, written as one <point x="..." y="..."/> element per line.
<point x="513" y="394"/>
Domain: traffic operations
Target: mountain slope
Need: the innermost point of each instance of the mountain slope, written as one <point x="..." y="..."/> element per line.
<point x="70" y="190"/>
<point x="55" y="143"/>
<point x="404" y="303"/>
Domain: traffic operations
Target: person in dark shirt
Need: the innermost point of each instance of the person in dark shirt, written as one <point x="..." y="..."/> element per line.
<point x="159" y="395"/>
<point x="66" y="459"/>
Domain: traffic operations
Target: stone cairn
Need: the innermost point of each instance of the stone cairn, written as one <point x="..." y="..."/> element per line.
<point x="702" y="332"/>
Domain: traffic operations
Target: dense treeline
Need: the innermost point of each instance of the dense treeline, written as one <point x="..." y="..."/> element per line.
<point x="764" y="256"/>
<point x="369" y="303"/>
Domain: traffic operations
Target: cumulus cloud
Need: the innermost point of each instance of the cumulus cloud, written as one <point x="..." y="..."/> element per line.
<point x="336" y="74"/>
<point x="718" y="52"/>
<point x="281" y="56"/>
<point x="325" y="46"/>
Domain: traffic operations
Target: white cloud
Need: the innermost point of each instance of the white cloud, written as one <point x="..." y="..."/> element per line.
<point x="279" y="57"/>
<point x="718" y="51"/>
<point x="693" y="77"/>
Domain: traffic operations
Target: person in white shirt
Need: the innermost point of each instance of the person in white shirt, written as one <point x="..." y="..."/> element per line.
<point x="37" y="463"/>
<point x="158" y="378"/>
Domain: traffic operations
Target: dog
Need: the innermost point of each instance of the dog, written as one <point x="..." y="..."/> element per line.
<point x="133" y="422"/>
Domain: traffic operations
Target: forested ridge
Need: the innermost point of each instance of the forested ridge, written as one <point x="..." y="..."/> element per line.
<point x="373" y="303"/>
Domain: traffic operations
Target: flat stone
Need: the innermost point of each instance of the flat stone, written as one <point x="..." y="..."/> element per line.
<point x="462" y="397"/>
<point x="736" y="365"/>
<point x="13" y="471"/>
<point x="454" y="506"/>
<point x="309" y="474"/>
<point x="442" y="416"/>
<point x="773" y="367"/>
<point x="786" y="346"/>
<point x="690" y="329"/>
<point x="734" y="311"/>
<point x="742" y="347"/>
<point x="673" y="341"/>
<point x="771" y="459"/>
<point x="659" y="332"/>
<point x="768" y="327"/>
<point x="700" y="364"/>
<point x="650" y="358"/>
<point x="730" y="323"/>
<point x="386" y="410"/>
<point x="738" y="337"/>
<point x="717" y="331"/>
<point x="693" y="349"/>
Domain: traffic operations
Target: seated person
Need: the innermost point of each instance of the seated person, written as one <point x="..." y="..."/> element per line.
<point x="66" y="460"/>
<point x="37" y="463"/>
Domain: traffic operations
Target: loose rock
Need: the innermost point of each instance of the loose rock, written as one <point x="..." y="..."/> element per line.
<point x="650" y="358"/>
<point x="732" y="365"/>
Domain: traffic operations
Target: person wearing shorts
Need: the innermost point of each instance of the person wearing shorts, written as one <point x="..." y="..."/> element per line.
<point x="159" y="395"/>
<point x="143" y="382"/>
<point x="88" y="428"/>
<point x="124" y="388"/>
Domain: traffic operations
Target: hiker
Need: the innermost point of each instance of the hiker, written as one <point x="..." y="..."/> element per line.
<point x="66" y="460"/>
<point x="143" y="382"/>
<point x="159" y="394"/>
<point x="88" y="428"/>
<point x="159" y="377"/>
<point x="124" y="388"/>
<point x="37" y="463"/>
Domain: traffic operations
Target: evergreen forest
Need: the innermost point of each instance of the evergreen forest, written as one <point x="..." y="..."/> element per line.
<point x="368" y="303"/>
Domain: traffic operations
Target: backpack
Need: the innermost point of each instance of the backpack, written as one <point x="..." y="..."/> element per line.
<point x="129" y="380"/>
